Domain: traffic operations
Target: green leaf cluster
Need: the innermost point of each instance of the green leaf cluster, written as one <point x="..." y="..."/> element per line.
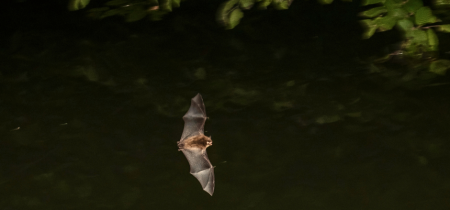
<point x="230" y="13"/>
<point x="77" y="4"/>
<point x="440" y="67"/>
<point x="131" y="10"/>
<point x="410" y="17"/>
<point x="413" y="20"/>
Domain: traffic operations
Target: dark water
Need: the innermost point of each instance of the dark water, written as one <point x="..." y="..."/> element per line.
<point x="91" y="120"/>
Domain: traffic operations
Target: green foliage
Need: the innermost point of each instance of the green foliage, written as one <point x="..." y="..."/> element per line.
<point x="168" y="5"/>
<point x="424" y="15"/>
<point x="325" y="1"/>
<point x="433" y="41"/>
<point x="225" y="17"/>
<point x="369" y="2"/>
<point x="411" y="18"/>
<point x="392" y="4"/>
<point x="441" y="3"/>
<point x="284" y="4"/>
<point x="405" y="25"/>
<point x="230" y="12"/>
<point x="412" y="5"/>
<point x="398" y="13"/>
<point x="417" y="36"/>
<point x="369" y="26"/>
<point x="136" y="14"/>
<point x="385" y="18"/>
<point x="440" y="66"/>
<point x="234" y="18"/>
<point x="371" y="13"/>
<point x="131" y="14"/>
<point x="77" y="4"/>
<point x="131" y="10"/>
<point x="246" y="4"/>
<point x="385" y="23"/>
<point x="444" y="28"/>
<point x="264" y="4"/>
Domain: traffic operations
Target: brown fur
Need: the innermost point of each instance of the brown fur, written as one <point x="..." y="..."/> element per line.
<point x="199" y="141"/>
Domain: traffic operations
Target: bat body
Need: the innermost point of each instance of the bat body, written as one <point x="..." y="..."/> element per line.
<point x="193" y="144"/>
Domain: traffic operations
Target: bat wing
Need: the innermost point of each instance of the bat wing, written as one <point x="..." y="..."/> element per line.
<point x="201" y="168"/>
<point x="194" y="119"/>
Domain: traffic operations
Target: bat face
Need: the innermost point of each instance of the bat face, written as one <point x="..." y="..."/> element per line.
<point x="193" y="144"/>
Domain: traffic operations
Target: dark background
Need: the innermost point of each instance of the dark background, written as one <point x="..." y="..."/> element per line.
<point x="90" y="112"/>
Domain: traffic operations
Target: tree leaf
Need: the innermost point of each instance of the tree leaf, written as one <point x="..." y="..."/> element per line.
<point x="264" y="3"/>
<point x="246" y="4"/>
<point x="157" y="15"/>
<point x="166" y="5"/>
<point x="385" y="23"/>
<point x="405" y="25"/>
<point x="325" y="1"/>
<point x="235" y="18"/>
<point x="136" y="15"/>
<point x="223" y="13"/>
<point x="433" y="41"/>
<point x="111" y="12"/>
<point x="77" y="4"/>
<point x="374" y="12"/>
<point x="369" y="2"/>
<point x="369" y="28"/>
<point x="393" y="4"/>
<point x="424" y="15"/>
<point x="412" y="5"/>
<point x="439" y="66"/>
<point x="282" y="4"/>
<point x="229" y="5"/>
<point x="398" y="13"/>
<point x="441" y="3"/>
<point x="419" y="37"/>
<point x="444" y="28"/>
<point x="175" y="3"/>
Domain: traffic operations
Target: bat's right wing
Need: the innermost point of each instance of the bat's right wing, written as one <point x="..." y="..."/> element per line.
<point x="194" y="119"/>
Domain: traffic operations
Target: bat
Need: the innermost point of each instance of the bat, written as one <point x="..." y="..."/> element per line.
<point x="193" y="144"/>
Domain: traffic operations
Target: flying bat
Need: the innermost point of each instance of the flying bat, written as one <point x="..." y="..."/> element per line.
<point x="193" y="144"/>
